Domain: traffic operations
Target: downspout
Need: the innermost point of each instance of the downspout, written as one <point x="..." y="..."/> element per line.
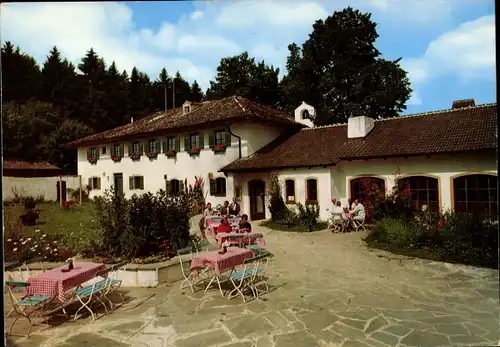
<point x="239" y="140"/>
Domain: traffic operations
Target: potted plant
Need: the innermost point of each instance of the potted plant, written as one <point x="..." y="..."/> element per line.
<point x="92" y="160"/>
<point x="116" y="158"/>
<point x="151" y="155"/>
<point x="195" y="150"/>
<point x="135" y="156"/>
<point x="171" y="154"/>
<point x="219" y="148"/>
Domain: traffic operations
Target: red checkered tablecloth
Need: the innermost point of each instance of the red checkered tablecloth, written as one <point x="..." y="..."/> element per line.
<point x="221" y="262"/>
<point x="56" y="283"/>
<point x="246" y="238"/>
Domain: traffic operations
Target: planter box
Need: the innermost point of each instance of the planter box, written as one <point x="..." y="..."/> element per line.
<point x="136" y="275"/>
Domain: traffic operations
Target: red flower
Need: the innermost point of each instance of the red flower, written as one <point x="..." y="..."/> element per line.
<point x="220" y="147"/>
<point x="195" y="149"/>
<point x="441" y="223"/>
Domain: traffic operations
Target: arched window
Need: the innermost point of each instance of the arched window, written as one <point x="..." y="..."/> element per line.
<point x="476" y="194"/>
<point x="290" y="191"/>
<point x="312" y="191"/>
<point x="218" y="187"/>
<point x="367" y="188"/>
<point x="423" y="191"/>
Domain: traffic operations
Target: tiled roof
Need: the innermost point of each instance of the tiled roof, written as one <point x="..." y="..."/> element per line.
<point x="455" y="130"/>
<point x="24" y="165"/>
<point x="234" y="108"/>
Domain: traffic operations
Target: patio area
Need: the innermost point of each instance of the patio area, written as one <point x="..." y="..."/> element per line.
<point x="326" y="290"/>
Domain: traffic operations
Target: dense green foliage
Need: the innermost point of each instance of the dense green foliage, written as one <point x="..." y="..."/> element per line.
<point x="338" y="70"/>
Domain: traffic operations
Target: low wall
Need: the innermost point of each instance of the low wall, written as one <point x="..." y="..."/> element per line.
<point x="37" y="186"/>
<point x="135" y="275"/>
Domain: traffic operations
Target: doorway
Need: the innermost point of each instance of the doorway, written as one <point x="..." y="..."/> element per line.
<point x="257" y="193"/>
<point x="64" y="192"/>
<point x="118" y="183"/>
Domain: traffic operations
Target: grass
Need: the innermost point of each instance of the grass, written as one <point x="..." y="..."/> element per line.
<point x="294" y="228"/>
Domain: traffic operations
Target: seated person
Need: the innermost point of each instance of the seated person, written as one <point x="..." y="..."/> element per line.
<point x="358" y="214"/>
<point x="244" y="226"/>
<point x="234" y="208"/>
<point x="224" y="226"/>
<point x="224" y="211"/>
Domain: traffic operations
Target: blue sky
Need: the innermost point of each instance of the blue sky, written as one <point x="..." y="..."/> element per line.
<point x="447" y="46"/>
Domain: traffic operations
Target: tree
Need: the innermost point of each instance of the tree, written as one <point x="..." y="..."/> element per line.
<point x="58" y="78"/>
<point x="240" y="75"/>
<point x="196" y="92"/>
<point x="343" y="71"/>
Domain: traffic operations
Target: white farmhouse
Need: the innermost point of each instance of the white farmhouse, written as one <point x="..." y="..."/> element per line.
<point x="448" y="157"/>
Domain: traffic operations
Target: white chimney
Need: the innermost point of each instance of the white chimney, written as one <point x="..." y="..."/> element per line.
<point x="304" y="114"/>
<point x="358" y="127"/>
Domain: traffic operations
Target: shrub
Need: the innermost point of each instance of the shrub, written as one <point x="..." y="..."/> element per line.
<point x="308" y="215"/>
<point x="75" y="194"/>
<point x="30" y="218"/>
<point x="29" y="203"/>
<point x="397" y="233"/>
<point x="277" y="205"/>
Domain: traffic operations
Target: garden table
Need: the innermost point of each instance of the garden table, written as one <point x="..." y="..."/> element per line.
<point x="246" y="238"/>
<point x="221" y="262"/>
<point x="56" y="283"/>
<point x="212" y="228"/>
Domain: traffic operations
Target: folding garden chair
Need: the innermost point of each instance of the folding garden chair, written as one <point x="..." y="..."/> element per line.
<point x="359" y="225"/>
<point x="31" y="307"/>
<point x="191" y="278"/>
<point x="252" y="243"/>
<point x="259" y="278"/>
<point x="112" y="283"/>
<point x="89" y="295"/>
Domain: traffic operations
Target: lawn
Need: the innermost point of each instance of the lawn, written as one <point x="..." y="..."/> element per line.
<point x="72" y="230"/>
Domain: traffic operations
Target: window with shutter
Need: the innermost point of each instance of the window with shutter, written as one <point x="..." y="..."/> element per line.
<point x="131" y="183"/>
<point x="220" y="138"/>
<point x="312" y="191"/>
<point x="138" y="182"/>
<point x="187" y="145"/>
<point x="103" y="150"/>
<point x="218" y="187"/>
<point x="151" y="146"/>
<point x="95" y="183"/>
<point x="213" y="187"/>
<point x="142" y="182"/>
<point x="99" y="183"/>
<point x="171" y="144"/>
<point x="169" y="187"/>
<point x="136" y="148"/>
<point x="175" y="187"/>
<point x="157" y="147"/>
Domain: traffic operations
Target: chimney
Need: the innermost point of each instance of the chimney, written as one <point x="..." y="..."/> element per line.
<point x="304" y="114"/>
<point x="462" y="103"/>
<point x="359" y="127"/>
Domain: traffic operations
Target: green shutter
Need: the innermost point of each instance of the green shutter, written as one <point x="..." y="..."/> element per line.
<point x="202" y="141"/>
<point x="122" y="150"/>
<point x="169" y="187"/>
<point x="90" y="183"/>
<point x="130" y="149"/>
<point x="131" y="183"/>
<point x="228" y="139"/>
<point x="157" y="145"/>
<point x="141" y="148"/>
<point x="97" y="153"/>
<point x="211" y="140"/>
<point x="142" y="182"/>
<point x="98" y="183"/>
<point x="89" y="152"/>
<point x="187" y="146"/>
<point x="213" y="187"/>
<point x="112" y="150"/>
<point x="164" y="143"/>
<point x="177" y="144"/>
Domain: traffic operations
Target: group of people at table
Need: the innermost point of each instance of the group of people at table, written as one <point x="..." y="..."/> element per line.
<point x="350" y="215"/>
<point x="225" y="212"/>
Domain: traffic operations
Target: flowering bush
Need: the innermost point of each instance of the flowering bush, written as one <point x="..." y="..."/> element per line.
<point x="219" y="147"/>
<point x="171" y="154"/>
<point x="195" y="150"/>
<point x="151" y="155"/>
<point x="116" y="158"/>
<point x="92" y="160"/>
<point x="135" y="156"/>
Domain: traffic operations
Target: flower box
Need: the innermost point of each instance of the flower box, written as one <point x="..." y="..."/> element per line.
<point x="135" y="156"/>
<point x="151" y="155"/>
<point x="116" y="158"/>
<point x="171" y="154"/>
<point x="219" y="148"/>
<point x="194" y="151"/>
<point x="92" y="160"/>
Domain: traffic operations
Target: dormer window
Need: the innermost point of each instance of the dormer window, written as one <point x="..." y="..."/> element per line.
<point x="306" y="115"/>
<point x="187" y="109"/>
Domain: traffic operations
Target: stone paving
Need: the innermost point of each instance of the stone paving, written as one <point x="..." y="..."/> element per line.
<point x="326" y="290"/>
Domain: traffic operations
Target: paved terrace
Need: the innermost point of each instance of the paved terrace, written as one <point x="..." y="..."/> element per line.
<point x="327" y="290"/>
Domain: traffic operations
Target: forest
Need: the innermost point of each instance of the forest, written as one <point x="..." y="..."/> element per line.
<point x="338" y="69"/>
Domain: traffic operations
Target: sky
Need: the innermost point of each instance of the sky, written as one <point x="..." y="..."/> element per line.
<point x="447" y="46"/>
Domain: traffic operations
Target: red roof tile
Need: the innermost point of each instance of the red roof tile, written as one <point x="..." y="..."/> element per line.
<point x="455" y="130"/>
<point x="24" y="165"/>
<point x="234" y="108"/>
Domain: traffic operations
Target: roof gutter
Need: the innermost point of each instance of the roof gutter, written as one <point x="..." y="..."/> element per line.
<point x="239" y="140"/>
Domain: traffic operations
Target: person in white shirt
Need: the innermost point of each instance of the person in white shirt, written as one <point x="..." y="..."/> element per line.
<point x="358" y="212"/>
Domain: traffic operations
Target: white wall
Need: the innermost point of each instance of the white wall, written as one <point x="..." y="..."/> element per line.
<point x="443" y="167"/>
<point x="36" y="186"/>
<point x="184" y="166"/>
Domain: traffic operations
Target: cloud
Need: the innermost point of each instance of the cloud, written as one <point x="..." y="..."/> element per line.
<point x="195" y="42"/>
<point x="467" y="52"/>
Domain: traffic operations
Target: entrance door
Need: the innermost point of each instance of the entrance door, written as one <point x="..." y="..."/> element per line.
<point x="64" y="197"/>
<point x="257" y="192"/>
<point x="118" y="183"/>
